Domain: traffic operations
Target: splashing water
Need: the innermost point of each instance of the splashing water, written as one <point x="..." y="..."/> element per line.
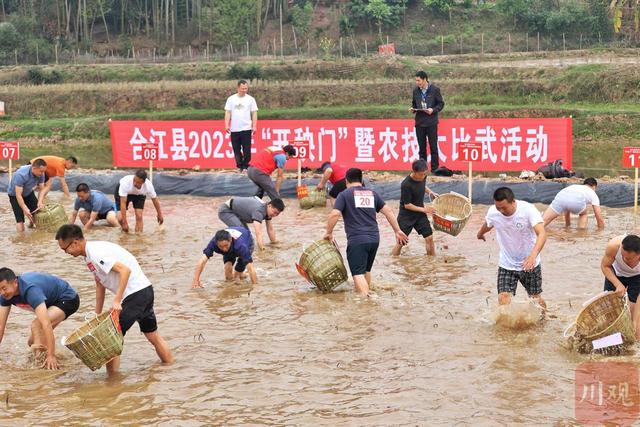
<point x="518" y="315"/>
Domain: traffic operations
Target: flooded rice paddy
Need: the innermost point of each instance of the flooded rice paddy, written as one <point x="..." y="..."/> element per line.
<point x="426" y="351"/>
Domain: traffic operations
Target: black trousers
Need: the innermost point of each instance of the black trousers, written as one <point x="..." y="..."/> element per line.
<point x="431" y="133"/>
<point x="241" y="144"/>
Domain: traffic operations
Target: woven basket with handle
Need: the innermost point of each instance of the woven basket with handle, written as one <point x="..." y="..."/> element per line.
<point x="51" y="217"/>
<point x="97" y="341"/>
<point x="313" y="199"/>
<point x="603" y="315"/>
<point x="453" y="210"/>
<point x="322" y="265"/>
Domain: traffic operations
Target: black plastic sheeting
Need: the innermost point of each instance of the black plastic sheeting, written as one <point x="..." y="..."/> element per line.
<point x="618" y="194"/>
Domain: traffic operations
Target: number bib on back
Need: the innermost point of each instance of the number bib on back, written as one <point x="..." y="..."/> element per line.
<point x="363" y="198"/>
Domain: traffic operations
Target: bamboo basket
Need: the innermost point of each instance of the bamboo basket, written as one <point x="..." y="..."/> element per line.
<point x="313" y="199"/>
<point x="453" y="211"/>
<point x="603" y="315"/>
<point x="97" y="341"/>
<point x="51" y="217"/>
<point x="322" y="265"/>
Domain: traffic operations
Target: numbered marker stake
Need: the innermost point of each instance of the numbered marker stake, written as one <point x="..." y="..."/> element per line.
<point x="150" y="152"/>
<point x="470" y="152"/>
<point x="9" y="151"/>
<point x="302" y="152"/>
<point x="631" y="159"/>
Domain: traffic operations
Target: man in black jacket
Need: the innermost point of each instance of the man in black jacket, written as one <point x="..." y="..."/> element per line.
<point x="427" y="102"/>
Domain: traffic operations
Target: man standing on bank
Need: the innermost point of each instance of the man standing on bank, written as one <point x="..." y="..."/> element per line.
<point x="134" y="189"/>
<point x="427" y="102"/>
<point x="358" y="207"/>
<point x="241" y="120"/>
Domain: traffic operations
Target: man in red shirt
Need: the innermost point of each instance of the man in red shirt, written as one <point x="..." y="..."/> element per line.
<point x="262" y="166"/>
<point x="335" y="174"/>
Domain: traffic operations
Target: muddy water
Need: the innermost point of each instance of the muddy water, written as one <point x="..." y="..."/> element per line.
<point x="425" y="352"/>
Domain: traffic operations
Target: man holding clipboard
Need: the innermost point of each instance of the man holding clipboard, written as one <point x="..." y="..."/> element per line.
<point x="427" y="102"/>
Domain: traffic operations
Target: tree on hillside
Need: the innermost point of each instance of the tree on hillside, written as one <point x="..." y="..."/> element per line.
<point x="379" y="10"/>
<point x="301" y="17"/>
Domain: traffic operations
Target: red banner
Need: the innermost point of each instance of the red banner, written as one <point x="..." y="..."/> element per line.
<point x="507" y="144"/>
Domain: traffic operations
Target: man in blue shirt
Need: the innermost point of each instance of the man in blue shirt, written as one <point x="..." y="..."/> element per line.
<point x="93" y="206"/>
<point x="358" y="207"/>
<point x="234" y="243"/>
<point x="52" y="299"/>
<point x="21" y="191"/>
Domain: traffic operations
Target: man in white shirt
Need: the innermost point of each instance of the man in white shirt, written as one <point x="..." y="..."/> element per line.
<point x="116" y="269"/>
<point x="574" y="200"/>
<point x="521" y="237"/>
<point x="241" y="120"/>
<point x="134" y="189"/>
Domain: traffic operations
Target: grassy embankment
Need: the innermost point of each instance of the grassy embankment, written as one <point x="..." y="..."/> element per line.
<point x="71" y="117"/>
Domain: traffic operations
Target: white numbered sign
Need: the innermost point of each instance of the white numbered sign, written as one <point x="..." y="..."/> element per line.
<point x="364" y="198"/>
<point x="150" y="152"/>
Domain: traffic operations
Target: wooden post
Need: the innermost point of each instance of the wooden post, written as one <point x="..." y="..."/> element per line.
<point x="538" y="42"/>
<point x="340" y="48"/>
<point x="527" y="39"/>
<point x="56" y="52"/>
<point x="441" y="44"/>
<point x="635" y="194"/>
<point x="564" y="47"/>
<point x="366" y="50"/>
<point x="300" y="172"/>
<point x="509" y="38"/>
<point x="580" y="41"/>
<point x="275" y="52"/>
<point x="469" y="191"/>
<point x="151" y="170"/>
<point x="11" y="174"/>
